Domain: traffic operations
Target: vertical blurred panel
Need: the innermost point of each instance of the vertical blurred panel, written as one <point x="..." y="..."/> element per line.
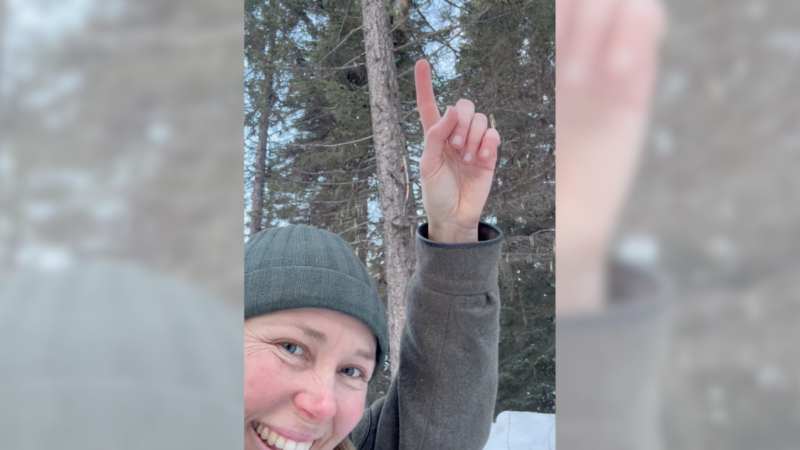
<point x="613" y="300"/>
<point x="720" y="190"/>
<point x="120" y="224"/>
<point x="714" y="206"/>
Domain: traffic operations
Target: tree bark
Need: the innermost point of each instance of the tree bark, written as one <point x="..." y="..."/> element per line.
<point x="268" y="100"/>
<point x="396" y="195"/>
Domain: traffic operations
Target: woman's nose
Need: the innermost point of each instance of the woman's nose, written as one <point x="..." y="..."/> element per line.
<point x="317" y="401"/>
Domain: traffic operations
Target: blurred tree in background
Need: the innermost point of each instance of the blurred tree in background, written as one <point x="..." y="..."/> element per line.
<point x="119" y="137"/>
<point x="309" y="149"/>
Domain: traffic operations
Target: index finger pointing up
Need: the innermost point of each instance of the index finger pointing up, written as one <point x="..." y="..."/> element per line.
<point x="426" y="102"/>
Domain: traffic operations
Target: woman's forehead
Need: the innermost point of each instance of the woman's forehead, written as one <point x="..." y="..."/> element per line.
<point x="317" y="323"/>
<point x="312" y="314"/>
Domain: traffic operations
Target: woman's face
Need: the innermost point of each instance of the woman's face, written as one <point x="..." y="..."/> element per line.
<point x="305" y="378"/>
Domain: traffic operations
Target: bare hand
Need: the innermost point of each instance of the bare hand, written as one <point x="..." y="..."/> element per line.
<point x="457" y="164"/>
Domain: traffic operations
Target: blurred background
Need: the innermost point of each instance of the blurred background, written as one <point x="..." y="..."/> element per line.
<point x="717" y="199"/>
<point x="117" y="138"/>
<point x="713" y="208"/>
<point x="120" y="187"/>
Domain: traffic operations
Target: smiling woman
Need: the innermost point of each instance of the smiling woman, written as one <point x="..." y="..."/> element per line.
<point x="319" y="364"/>
<point x="316" y="329"/>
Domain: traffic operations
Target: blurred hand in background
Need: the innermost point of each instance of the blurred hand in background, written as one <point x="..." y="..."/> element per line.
<point x="606" y="68"/>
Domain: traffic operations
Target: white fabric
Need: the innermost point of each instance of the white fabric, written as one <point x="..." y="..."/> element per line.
<point x="516" y="430"/>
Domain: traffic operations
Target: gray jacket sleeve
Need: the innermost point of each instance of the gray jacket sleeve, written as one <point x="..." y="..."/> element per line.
<point x="444" y="394"/>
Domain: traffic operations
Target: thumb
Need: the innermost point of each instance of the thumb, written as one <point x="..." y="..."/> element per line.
<point x="439" y="134"/>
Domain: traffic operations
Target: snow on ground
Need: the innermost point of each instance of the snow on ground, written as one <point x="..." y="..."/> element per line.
<point x="516" y="430"/>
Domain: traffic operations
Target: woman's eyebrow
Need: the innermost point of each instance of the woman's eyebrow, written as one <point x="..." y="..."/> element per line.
<point x="322" y="338"/>
<point x="317" y="335"/>
<point x="365" y="354"/>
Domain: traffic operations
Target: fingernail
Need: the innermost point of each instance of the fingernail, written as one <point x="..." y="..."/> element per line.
<point x="485" y="153"/>
<point x="457" y="140"/>
<point x="467" y="157"/>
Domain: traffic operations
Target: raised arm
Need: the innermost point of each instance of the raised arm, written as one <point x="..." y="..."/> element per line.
<point x="444" y="393"/>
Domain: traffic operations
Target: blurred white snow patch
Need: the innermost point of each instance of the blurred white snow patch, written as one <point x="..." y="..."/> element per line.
<point x="638" y="249"/>
<point x="158" y="132"/>
<point x="63" y="178"/>
<point x="519" y="430"/>
<point x="6" y="167"/>
<point x="663" y="142"/>
<point x="785" y="41"/>
<point x="43" y="257"/>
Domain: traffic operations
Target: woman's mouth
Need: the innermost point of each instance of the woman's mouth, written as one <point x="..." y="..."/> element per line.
<point x="275" y="440"/>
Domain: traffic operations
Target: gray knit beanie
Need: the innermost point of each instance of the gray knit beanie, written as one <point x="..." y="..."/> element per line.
<point x="298" y="266"/>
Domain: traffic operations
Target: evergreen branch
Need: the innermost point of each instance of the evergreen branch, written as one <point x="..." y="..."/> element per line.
<point x="352" y="63"/>
<point x="336" y="171"/>
<point x="336" y="201"/>
<point x="410" y="13"/>
<point x="454" y="5"/>
<point x="328" y="183"/>
<point x="340" y="42"/>
<point x="344" y="19"/>
<point x="331" y="145"/>
<point x="445" y="30"/>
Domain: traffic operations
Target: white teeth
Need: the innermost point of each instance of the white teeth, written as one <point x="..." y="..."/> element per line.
<point x="273" y="438"/>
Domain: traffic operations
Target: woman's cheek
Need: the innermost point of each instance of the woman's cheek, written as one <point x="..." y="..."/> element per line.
<point x="263" y="372"/>
<point x="351" y="409"/>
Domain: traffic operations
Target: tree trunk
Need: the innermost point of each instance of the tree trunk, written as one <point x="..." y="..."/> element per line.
<point x="268" y="100"/>
<point x="397" y="197"/>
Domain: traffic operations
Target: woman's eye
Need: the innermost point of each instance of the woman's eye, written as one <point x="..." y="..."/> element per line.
<point x="293" y="349"/>
<point x="351" y="372"/>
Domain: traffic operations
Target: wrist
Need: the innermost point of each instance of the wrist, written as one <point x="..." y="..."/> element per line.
<point x="452" y="233"/>
<point x="581" y="287"/>
<point x="582" y="270"/>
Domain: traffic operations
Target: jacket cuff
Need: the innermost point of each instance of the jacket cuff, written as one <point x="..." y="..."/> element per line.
<point x="459" y="269"/>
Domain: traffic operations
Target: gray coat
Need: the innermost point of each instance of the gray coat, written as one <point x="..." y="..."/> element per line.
<point x="444" y="394"/>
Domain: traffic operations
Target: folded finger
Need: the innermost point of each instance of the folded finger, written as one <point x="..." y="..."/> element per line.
<point x="590" y="27"/>
<point x="487" y="153"/>
<point x="476" y="131"/>
<point x="564" y="12"/>
<point x="466" y="110"/>
<point x="436" y="137"/>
